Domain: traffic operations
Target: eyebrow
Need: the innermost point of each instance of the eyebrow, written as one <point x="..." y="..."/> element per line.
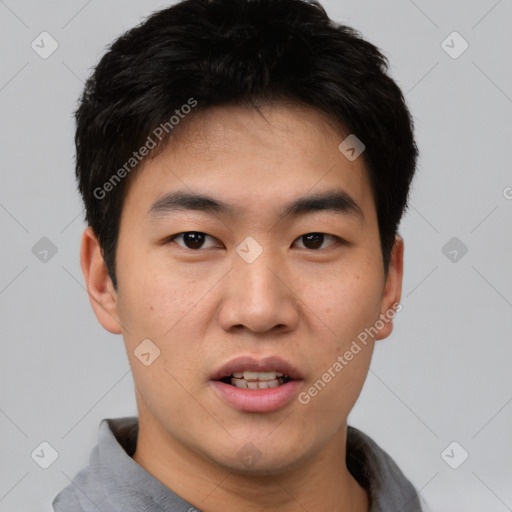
<point x="336" y="201"/>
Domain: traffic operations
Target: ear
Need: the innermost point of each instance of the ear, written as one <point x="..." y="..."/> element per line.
<point x="99" y="286"/>
<point x="392" y="289"/>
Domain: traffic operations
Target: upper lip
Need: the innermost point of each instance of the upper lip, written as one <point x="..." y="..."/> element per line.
<point x="253" y="364"/>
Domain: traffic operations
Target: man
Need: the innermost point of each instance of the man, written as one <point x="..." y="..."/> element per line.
<point x="244" y="166"/>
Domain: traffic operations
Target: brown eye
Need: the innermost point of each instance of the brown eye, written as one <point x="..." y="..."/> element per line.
<point x="315" y="240"/>
<point x="191" y="239"/>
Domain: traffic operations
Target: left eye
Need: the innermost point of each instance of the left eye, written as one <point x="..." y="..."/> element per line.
<point x="315" y="240"/>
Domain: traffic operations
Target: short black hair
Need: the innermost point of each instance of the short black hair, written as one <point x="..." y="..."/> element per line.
<point x="199" y="54"/>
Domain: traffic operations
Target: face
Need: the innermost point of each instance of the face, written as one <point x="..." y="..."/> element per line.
<point x="249" y="254"/>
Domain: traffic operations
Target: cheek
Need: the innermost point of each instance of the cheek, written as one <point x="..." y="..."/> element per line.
<point x="343" y="359"/>
<point x="362" y="300"/>
<point x="160" y="303"/>
<point x="342" y="356"/>
<point x="347" y="304"/>
<point x="154" y="296"/>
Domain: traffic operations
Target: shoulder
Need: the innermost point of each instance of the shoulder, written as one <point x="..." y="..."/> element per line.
<point x="92" y="486"/>
<point x="379" y="474"/>
<point x="75" y="494"/>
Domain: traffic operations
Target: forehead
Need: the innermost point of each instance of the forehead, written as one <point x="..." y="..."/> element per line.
<point x="253" y="158"/>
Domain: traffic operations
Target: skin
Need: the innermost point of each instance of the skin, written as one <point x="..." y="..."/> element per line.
<point x="201" y="307"/>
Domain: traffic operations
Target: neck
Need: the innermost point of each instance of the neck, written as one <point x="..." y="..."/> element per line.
<point x="322" y="483"/>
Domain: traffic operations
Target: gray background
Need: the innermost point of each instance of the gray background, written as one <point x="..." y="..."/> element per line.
<point x="443" y="376"/>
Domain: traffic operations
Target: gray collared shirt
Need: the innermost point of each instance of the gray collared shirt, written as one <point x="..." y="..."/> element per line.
<point x="114" y="482"/>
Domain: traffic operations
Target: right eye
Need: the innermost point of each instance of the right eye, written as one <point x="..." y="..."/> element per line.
<point x="193" y="240"/>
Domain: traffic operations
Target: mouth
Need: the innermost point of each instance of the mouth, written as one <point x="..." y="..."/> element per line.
<point x="256" y="385"/>
<point x="247" y="372"/>
<point x="256" y="380"/>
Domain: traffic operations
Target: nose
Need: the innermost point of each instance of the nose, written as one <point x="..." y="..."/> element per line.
<point x="259" y="296"/>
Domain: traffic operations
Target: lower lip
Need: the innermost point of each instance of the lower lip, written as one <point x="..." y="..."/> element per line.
<point x="257" y="400"/>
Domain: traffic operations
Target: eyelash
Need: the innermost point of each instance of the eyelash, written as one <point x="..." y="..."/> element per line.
<point x="337" y="239"/>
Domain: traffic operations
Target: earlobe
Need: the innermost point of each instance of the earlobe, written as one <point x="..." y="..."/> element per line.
<point x="392" y="289"/>
<point x="99" y="286"/>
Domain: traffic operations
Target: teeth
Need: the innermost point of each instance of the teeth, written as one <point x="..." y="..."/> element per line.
<point x="239" y="383"/>
<point x="255" y="384"/>
<point x="269" y="384"/>
<point x="257" y="380"/>
<point x="259" y="375"/>
<point x="248" y="375"/>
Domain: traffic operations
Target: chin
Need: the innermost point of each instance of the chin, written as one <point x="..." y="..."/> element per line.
<point x="258" y="455"/>
<point x="265" y="466"/>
